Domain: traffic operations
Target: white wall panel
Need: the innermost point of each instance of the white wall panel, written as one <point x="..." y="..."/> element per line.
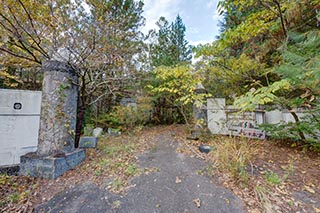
<point x="18" y="127"/>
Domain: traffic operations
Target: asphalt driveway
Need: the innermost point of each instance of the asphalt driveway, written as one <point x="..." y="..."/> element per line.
<point x="174" y="187"/>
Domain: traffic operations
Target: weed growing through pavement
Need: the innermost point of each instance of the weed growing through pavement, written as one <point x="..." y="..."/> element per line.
<point x="273" y="178"/>
<point x="117" y="184"/>
<point x="131" y="169"/>
<point x="115" y="158"/>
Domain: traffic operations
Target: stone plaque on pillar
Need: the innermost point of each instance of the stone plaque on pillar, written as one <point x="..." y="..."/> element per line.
<point x="56" y="153"/>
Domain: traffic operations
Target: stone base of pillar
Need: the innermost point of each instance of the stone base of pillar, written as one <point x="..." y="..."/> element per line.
<point x="50" y="167"/>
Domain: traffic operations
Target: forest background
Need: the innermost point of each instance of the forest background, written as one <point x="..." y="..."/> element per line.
<point x="268" y="53"/>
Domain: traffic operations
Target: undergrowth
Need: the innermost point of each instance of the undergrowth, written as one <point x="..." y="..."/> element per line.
<point x="15" y="190"/>
<point x="115" y="159"/>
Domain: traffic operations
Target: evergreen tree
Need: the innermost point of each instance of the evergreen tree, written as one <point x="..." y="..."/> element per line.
<point x="169" y="55"/>
<point x="170" y="46"/>
<point x="180" y="48"/>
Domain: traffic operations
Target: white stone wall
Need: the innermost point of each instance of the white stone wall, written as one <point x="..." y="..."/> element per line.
<point x="18" y="127"/>
<point x="224" y="120"/>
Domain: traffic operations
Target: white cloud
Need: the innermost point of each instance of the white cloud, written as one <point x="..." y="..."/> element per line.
<point x="195" y="43"/>
<point x="212" y="4"/>
<point x="154" y="9"/>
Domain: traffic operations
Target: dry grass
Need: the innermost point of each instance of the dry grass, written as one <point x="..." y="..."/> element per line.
<point x="232" y="156"/>
<point x="268" y="176"/>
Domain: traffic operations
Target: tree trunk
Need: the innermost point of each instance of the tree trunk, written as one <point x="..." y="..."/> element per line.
<point x="297" y="120"/>
<point x="81" y="112"/>
<point x="80" y="120"/>
<point x="284" y="29"/>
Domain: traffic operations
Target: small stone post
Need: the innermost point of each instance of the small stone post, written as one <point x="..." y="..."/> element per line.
<point x="199" y="113"/>
<point x="58" y="108"/>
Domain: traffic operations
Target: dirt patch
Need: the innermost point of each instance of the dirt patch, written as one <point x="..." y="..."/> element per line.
<point x="298" y="171"/>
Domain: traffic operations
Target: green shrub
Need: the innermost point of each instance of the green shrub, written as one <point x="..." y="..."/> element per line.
<point x="127" y="117"/>
<point x="273" y="178"/>
<point x="309" y="125"/>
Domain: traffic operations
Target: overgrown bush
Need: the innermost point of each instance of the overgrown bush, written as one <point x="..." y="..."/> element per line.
<point x="126" y="117"/>
<point x="174" y="92"/>
<point x="308" y="125"/>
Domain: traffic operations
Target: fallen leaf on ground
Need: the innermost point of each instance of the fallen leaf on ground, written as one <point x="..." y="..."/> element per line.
<point x="255" y="211"/>
<point x="197" y="202"/>
<point x="227" y="200"/>
<point x="309" y="189"/>
<point x="178" y="180"/>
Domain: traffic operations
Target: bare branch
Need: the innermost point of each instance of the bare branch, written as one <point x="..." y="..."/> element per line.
<point x="18" y="56"/>
<point x="38" y="48"/>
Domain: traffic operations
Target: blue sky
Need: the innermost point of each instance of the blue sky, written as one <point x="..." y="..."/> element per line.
<point x="199" y="16"/>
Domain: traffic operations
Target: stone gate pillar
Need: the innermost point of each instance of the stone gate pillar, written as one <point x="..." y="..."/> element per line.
<point x="58" y="108"/>
<point x="56" y="153"/>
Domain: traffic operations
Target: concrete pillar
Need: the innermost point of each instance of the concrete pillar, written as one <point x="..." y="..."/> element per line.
<point x="58" y="109"/>
<point x="217" y="117"/>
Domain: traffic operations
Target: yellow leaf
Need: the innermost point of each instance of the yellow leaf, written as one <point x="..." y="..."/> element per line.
<point x="309" y="189"/>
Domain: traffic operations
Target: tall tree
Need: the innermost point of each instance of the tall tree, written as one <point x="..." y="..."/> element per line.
<point x="182" y="51"/>
<point x="110" y="70"/>
<point x="170" y="59"/>
<point x="169" y="46"/>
